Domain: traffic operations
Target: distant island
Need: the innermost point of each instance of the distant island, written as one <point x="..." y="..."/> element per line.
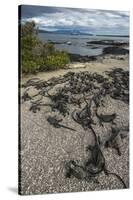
<point x="78" y="32"/>
<point x="70" y="32"/>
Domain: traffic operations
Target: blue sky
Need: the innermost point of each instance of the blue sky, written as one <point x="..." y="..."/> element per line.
<point x="87" y="20"/>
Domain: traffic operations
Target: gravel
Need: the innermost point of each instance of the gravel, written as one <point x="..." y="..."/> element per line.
<point x="45" y="150"/>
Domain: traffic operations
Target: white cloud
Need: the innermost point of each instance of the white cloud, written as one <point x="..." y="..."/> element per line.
<point x="91" y="19"/>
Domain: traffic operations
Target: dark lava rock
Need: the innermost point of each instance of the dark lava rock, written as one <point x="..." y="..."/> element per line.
<point x="108" y="42"/>
<point x="115" y="51"/>
<point x="79" y="58"/>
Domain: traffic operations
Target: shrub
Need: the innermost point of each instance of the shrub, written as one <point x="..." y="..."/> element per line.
<point x="56" y="61"/>
<point x="28" y="28"/>
<point x="30" y="67"/>
<point x="36" y="55"/>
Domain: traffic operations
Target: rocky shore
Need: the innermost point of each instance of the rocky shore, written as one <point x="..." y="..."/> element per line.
<point x="96" y="42"/>
<point x="108" y="42"/>
<point x="112" y="47"/>
<point x="107" y="50"/>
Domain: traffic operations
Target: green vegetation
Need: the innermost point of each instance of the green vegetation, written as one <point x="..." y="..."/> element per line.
<point x="56" y="61"/>
<point x="36" y="55"/>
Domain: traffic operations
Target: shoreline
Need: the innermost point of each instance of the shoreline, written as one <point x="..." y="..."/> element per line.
<point x="115" y="53"/>
<point x="99" y="65"/>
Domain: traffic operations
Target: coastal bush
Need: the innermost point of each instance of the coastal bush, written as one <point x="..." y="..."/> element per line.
<point x="56" y="61"/>
<point x="30" y="67"/>
<point x="36" y="55"/>
<point x="28" y="29"/>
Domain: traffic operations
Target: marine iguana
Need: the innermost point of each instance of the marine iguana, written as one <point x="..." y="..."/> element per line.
<point x="30" y="82"/>
<point x="56" y="123"/>
<point x="106" y="118"/>
<point x="77" y="101"/>
<point x="114" y="140"/>
<point x="26" y="96"/>
<point x="59" y="101"/>
<point x="61" y="106"/>
<point x="84" y="116"/>
<point x="37" y="104"/>
<point x="72" y="168"/>
<point x="34" y="108"/>
<point x="78" y="171"/>
<point x="97" y="98"/>
<point x="96" y="163"/>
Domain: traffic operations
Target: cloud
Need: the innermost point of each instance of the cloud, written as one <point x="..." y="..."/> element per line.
<point x="95" y="20"/>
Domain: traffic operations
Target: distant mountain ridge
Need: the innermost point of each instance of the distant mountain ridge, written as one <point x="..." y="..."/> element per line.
<point x="70" y="32"/>
<point x="78" y="32"/>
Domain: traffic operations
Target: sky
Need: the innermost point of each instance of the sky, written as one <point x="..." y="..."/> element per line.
<point x="85" y="20"/>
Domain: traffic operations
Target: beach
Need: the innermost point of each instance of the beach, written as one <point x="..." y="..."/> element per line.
<point x="45" y="149"/>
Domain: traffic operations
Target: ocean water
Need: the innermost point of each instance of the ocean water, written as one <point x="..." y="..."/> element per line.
<point x="79" y="42"/>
